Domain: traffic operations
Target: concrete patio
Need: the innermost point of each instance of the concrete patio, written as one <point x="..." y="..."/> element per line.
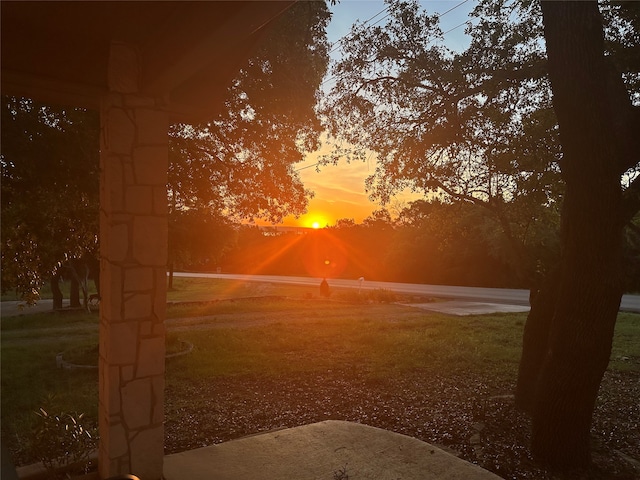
<point x="329" y="450"/>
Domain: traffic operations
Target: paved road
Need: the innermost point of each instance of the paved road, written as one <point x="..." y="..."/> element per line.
<point x="507" y="296"/>
<point x="475" y="299"/>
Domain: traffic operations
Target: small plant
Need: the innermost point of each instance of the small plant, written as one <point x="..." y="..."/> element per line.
<point x="63" y="441"/>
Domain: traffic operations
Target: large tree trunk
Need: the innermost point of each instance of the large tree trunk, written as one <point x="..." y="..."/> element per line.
<point x="535" y="342"/>
<point x="568" y="339"/>
<point x="581" y="329"/>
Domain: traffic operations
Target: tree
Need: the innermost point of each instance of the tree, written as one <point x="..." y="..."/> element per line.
<point x="198" y="240"/>
<point x="475" y="126"/>
<point x="482" y="127"/>
<point x="453" y="243"/>
<point x="50" y="191"/>
<point x="241" y="162"/>
<point x="569" y="331"/>
<point x="238" y="164"/>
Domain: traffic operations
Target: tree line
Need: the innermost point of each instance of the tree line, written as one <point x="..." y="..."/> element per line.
<point x="429" y="242"/>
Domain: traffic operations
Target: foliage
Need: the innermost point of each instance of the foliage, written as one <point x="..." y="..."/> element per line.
<point x="475" y="126"/>
<point x="198" y="239"/>
<point x="63" y="440"/>
<point x="455" y="123"/>
<point x="431" y="242"/>
<point x="463" y="244"/>
<point x="49" y="188"/>
<point x="241" y="163"/>
<point x="238" y="164"/>
<point x="632" y="255"/>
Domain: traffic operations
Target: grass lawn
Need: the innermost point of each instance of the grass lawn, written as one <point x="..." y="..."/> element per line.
<point x="271" y="334"/>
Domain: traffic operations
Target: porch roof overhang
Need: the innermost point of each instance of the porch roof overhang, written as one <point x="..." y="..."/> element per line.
<point x="58" y="52"/>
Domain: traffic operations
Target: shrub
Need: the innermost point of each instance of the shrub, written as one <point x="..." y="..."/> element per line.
<point x="62" y="441"/>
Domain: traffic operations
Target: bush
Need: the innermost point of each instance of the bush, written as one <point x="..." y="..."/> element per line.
<point x="62" y="441"/>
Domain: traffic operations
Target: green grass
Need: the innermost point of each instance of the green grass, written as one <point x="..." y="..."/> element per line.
<point x="277" y="335"/>
<point x="383" y="340"/>
<point x="625" y="354"/>
<point x="204" y="289"/>
<point x="45" y="291"/>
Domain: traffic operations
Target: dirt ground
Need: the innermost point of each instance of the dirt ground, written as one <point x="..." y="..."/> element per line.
<point x="474" y="418"/>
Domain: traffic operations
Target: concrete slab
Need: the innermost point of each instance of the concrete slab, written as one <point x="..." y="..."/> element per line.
<point x="461" y="308"/>
<point x="322" y="451"/>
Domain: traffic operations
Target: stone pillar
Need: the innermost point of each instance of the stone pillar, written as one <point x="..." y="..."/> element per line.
<point x="133" y="256"/>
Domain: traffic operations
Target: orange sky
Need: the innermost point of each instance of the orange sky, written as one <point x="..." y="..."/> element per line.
<point x="339" y="192"/>
<point x="339" y="189"/>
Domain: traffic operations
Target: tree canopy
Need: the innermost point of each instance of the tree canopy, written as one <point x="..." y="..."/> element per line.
<point x="49" y="188"/>
<point x="238" y="165"/>
<point x="534" y="99"/>
<point x="474" y="126"/>
<point x="241" y="162"/>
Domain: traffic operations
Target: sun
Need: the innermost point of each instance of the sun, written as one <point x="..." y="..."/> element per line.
<point x="315" y="222"/>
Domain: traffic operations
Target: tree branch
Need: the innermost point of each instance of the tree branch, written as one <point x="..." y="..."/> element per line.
<point x="391" y="78"/>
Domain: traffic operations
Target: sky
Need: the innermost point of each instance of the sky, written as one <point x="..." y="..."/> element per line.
<point x="340" y="189"/>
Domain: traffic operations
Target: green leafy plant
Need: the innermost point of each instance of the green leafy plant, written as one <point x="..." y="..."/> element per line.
<point x="63" y="441"/>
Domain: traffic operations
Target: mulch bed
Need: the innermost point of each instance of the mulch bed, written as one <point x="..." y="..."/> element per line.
<point x="472" y="417"/>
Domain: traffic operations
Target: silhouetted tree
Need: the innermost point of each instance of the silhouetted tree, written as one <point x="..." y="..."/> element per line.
<point x="475" y="126"/>
<point x="238" y="164"/>
<point x="241" y="162"/>
<point x="480" y="126"/>
<point x="198" y="240"/>
<point x="50" y="165"/>
<point x="569" y="331"/>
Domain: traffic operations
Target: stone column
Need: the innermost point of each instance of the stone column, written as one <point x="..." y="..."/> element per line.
<point x="133" y="256"/>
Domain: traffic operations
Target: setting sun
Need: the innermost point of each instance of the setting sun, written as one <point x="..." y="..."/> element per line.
<point x="313" y="220"/>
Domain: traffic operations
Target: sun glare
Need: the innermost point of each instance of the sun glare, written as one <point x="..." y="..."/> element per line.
<point x="314" y="220"/>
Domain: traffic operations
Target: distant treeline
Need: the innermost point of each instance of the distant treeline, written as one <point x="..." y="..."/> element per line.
<point x="433" y="243"/>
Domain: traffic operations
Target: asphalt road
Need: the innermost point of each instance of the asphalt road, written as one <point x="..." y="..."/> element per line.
<point x="630" y="303"/>
<point x="504" y="296"/>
